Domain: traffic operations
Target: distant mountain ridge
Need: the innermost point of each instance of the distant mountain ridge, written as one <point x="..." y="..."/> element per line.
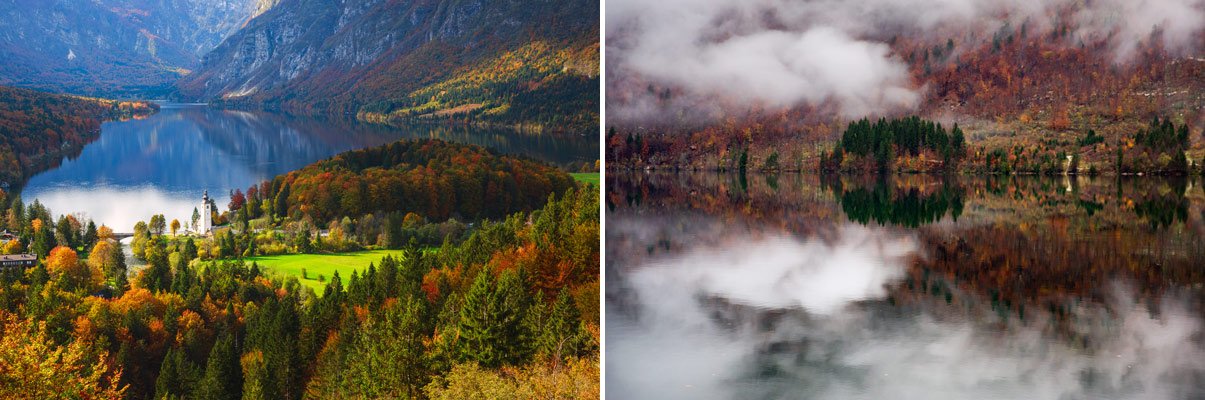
<point x="112" y="48"/>
<point x="374" y="58"/>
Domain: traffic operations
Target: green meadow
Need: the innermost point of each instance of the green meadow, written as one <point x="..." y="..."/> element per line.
<point x="587" y="177"/>
<point x="321" y="264"/>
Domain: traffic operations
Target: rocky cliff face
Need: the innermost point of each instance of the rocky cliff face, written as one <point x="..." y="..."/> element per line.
<point x="112" y="47"/>
<point x="337" y="55"/>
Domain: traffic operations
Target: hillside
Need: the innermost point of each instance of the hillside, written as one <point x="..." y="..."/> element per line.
<point x="508" y="62"/>
<point x="112" y="48"/>
<point x="38" y="129"/>
<point x="1018" y="79"/>
<point x="433" y="178"/>
<point x="1015" y="97"/>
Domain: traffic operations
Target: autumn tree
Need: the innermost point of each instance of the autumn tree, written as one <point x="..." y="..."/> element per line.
<point x="158" y="224"/>
<point x="138" y="242"/>
<point x="103" y="257"/>
<point x="157" y="275"/>
<point x="64" y="266"/>
<point x="237" y="200"/>
<point x="43" y="238"/>
<point x="104" y="233"/>
<point x="35" y="367"/>
<point x="175" y="226"/>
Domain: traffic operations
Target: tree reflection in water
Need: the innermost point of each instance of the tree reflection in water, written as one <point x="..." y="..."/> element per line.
<point x="1018" y="287"/>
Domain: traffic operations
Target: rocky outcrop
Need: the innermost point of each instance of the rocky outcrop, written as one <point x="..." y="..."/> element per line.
<point x="332" y="55"/>
<point x="112" y="47"/>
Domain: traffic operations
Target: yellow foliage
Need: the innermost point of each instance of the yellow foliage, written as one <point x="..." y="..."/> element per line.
<point x="101" y="253"/>
<point x="63" y="264"/>
<point x="33" y="367"/>
<point x="12" y="247"/>
<point x="104" y="232"/>
<point x="84" y="328"/>
<point x="574" y="379"/>
<point x="139" y="300"/>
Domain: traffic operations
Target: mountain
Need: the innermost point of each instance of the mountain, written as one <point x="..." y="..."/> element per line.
<point x="112" y="47"/>
<point x="532" y="63"/>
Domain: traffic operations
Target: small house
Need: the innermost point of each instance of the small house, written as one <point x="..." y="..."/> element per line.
<point x="13" y="261"/>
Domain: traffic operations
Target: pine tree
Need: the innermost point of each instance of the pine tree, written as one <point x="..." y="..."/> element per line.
<point x="491" y="329"/>
<point x="223" y="377"/>
<point x="280" y="206"/>
<point x="43" y="241"/>
<point x="272" y="331"/>
<point x="158" y="275"/>
<point x="562" y="335"/>
<point x="257" y="380"/>
<point x="121" y="282"/>
<point x="90" y="235"/>
<point x="387" y="358"/>
<point x="196" y="218"/>
<point x="177" y="376"/>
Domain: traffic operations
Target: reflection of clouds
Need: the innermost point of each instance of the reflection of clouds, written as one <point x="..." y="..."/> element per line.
<point x="119" y="208"/>
<point x="678" y="350"/>
<point x="775" y="318"/>
<point x="1124" y="356"/>
<point x="783" y="272"/>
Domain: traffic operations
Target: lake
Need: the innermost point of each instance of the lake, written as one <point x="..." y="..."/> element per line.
<point x="910" y="287"/>
<point x="163" y="164"/>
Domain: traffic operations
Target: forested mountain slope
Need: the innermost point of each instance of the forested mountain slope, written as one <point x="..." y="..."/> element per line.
<point x="500" y="61"/>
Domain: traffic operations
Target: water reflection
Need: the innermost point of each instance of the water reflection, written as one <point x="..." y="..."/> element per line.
<point x="906" y="288"/>
<point x="882" y="202"/>
<point x="162" y="164"/>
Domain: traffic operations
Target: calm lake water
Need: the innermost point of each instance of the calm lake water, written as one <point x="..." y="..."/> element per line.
<point x="914" y="287"/>
<point x="164" y="163"/>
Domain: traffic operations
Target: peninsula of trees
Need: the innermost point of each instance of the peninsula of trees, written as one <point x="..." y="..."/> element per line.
<point x="38" y="129"/>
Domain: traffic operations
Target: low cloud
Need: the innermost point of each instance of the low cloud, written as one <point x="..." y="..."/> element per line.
<point x="780" y="317"/>
<point x="780" y="68"/>
<point x="720" y="56"/>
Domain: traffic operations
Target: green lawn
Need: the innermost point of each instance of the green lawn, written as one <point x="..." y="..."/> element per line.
<point x="322" y="264"/>
<point x="587" y="177"/>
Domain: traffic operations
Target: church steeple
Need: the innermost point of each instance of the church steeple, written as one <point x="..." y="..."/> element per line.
<point x="206" y="215"/>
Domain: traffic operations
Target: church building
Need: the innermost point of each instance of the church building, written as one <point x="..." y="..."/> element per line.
<point x="206" y="215"/>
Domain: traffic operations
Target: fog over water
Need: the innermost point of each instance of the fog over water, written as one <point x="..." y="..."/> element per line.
<point x="721" y="308"/>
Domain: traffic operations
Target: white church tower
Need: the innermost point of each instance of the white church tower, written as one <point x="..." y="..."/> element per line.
<point x="206" y="213"/>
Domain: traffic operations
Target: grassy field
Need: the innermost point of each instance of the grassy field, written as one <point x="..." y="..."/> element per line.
<point x="321" y="264"/>
<point x="587" y="177"/>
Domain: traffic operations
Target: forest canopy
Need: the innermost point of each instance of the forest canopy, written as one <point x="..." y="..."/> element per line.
<point x="433" y="178"/>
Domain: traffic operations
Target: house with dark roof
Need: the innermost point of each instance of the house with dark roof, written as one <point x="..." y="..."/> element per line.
<point x="13" y="261"/>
